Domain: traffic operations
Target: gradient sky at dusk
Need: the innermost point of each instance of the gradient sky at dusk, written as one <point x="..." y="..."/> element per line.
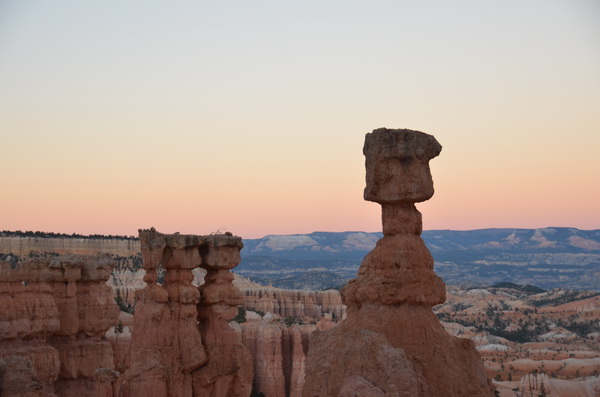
<point x="250" y="116"/>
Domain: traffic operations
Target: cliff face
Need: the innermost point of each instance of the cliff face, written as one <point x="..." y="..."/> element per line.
<point x="308" y="306"/>
<point x="54" y="312"/>
<point x="82" y="246"/>
<point x="391" y="343"/>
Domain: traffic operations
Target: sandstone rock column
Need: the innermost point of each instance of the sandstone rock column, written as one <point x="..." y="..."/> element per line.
<point x="166" y="345"/>
<point x="391" y="343"/>
<point x="228" y="372"/>
<point x="182" y="343"/>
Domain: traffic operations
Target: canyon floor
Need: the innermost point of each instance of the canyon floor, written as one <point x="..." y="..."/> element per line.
<point x="530" y="337"/>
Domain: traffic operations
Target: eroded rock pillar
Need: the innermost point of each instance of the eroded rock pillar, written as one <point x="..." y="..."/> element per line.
<point x="182" y="342"/>
<point x="229" y="371"/>
<point x="391" y="343"/>
<point x="166" y="345"/>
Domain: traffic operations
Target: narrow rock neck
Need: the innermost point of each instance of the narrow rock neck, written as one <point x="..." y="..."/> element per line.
<point x="401" y="218"/>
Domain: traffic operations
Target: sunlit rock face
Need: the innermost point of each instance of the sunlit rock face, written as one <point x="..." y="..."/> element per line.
<point x="54" y="311"/>
<point x="391" y="343"/>
<point x="182" y="341"/>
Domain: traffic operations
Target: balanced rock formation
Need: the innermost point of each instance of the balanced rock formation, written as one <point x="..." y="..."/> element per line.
<point x="54" y="312"/>
<point x="182" y="342"/>
<point x="391" y="343"/>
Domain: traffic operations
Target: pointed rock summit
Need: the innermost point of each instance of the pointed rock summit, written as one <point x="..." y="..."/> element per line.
<point x="391" y="343"/>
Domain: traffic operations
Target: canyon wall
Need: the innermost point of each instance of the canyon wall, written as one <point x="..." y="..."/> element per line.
<point x="54" y="313"/>
<point x="308" y="306"/>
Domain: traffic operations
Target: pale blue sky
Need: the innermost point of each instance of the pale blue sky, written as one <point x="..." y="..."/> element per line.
<point x="193" y="116"/>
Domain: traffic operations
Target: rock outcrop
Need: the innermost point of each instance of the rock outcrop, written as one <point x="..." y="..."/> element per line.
<point x="182" y="341"/>
<point x="391" y="343"/>
<point x="53" y="315"/>
<point x="308" y="306"/>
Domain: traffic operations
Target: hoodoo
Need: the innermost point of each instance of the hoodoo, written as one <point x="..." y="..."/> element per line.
<point x="391" y="343"/>
<point x="182" y="343"/>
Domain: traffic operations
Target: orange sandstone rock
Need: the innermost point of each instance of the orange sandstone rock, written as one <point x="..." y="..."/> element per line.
<point x="279" y="354"/>
<point x="265" y="340"/>
<point x="391" y="343"/>
<point x="53" y="314"/>
<point x="229" y="369"/>
<point x="182" y="342"/>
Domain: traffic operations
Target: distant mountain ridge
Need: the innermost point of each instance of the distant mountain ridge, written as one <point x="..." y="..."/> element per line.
<point x="548" y="258"/>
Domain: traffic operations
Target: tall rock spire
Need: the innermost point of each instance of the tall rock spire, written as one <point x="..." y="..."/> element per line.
<point x="391" y="343"/>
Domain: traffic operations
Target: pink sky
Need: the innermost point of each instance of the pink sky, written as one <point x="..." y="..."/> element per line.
<point x="195" y="118"/>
